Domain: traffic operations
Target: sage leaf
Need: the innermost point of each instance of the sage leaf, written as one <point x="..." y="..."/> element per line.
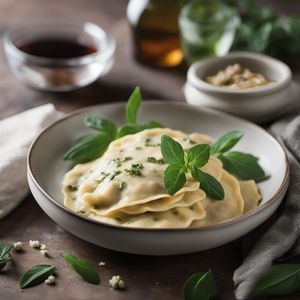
<point x="101" y="124"/>
<point x="226" y="142"/>
<point x="198" y="155"/>
<point x="133" y="105"/>
<point x="35" y="275"/>
<point x="244" y="166"/>
<point x="208" y="184"/>
<point x="174" y="179"/>
<point x="88" y="148"/>
<point x="172" y="151"/>
<point x="200" y="286"/>
<point x="279" y="280"/>
<point x="83" y="267"/>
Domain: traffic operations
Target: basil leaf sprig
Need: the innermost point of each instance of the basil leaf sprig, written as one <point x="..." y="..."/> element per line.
<point x="279" y="280"/>
<point x="180" y="163"/>
<point x="243" y="165"/>
<point x="83" y="267"/>
<point x="36" y="275"/>
<point x="200" y="286"/>
<point x="4" y="254"/>
<point x="94" y="145"/>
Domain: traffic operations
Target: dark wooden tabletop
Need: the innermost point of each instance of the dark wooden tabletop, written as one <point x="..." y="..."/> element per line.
<point x="147" y="278"/>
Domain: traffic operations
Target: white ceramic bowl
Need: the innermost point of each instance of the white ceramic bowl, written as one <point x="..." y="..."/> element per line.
<point x="46" y="169"/>
<point x="259" y="103"/>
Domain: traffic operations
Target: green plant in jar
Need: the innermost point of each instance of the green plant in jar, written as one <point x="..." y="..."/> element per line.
<point x="207" y="27"/>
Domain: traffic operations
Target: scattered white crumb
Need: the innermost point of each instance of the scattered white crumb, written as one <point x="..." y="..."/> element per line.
<point x="50" y="280"/>
<point x="116" y="282"/>
<point x="18" y="246"/>
<point x="34" y="244"/>
<point x="102" y="264"/>
<point x="43" y="247"/>
<point x="44" y="252"/>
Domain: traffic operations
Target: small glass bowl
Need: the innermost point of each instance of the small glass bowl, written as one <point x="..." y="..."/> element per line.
<point x="59" y="74"/>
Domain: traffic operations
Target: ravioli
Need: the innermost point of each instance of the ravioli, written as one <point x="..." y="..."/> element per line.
<point x="126" y="186"/>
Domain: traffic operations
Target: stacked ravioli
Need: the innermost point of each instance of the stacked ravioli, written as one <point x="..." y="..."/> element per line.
<point x="126" y="187"/>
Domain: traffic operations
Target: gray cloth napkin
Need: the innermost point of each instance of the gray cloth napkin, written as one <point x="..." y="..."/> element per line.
<point x="285" y="232"/>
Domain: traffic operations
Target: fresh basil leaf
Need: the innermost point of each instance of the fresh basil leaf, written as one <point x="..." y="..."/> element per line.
<point x="101" y="124"/>
<point x="280" y="280"/>
<point x="198" y="155"/>
<point x="133" y="105"/>
<point x="174" y="179"/>
<point x="172" y="151"/>
<point x="200" y="286"/>
<point x="5" y="249"/>
<point x="127" y="129"/>
<point x="4" y="254"/>
<point x="208" y="184"/>
<point x="35" y="275"/>
<point x="88" y="148"/>
<point x="226" y="142"/>
<point x="83" y="267"/>
<point x="244" y="166"/>
<point x="151" y="125"/>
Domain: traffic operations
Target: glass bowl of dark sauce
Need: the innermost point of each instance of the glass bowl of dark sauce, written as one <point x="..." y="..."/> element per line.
<point x="59" y="57"/>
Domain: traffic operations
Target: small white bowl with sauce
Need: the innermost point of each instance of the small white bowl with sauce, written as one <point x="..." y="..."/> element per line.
<point x="256" y="103"/>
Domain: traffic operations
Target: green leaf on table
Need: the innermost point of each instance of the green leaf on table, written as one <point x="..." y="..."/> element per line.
<point x="198" y="155"/>
<point x="226" y="142"/>
<point x="4" y="254"/>
<point x="101" y="124"/>
<point x="35" y="275"/>
<point x="280" y="280"/>
<point x="244" y="166"/>
<point x="83" y="267"/>
<point x="208" y="184"/>
<point x="88" y="148"/>
<point x="172" y="151"/>
<point x="200" y="286"/>
<point x="133" y="105"/>
<point x="174" y="179"/>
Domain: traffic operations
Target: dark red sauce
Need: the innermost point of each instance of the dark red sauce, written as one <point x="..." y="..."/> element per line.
<point x="57" y="48"/>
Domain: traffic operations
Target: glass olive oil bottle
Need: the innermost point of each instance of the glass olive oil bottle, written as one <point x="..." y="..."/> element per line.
<point x="155" y="31"/>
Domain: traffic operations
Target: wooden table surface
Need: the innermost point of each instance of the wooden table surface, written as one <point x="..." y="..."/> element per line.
<point x="148" y="278"/>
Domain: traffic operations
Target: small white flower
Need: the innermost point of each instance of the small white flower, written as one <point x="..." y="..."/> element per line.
<point x="102" y="264"/>
<point x="44" y="252"/>
<point x="116" y="282"/>
<point x="18" y="246"/>
<point x="43" y="247"/>
<point x="50" y="280"/>
<point x="34" y="244"/>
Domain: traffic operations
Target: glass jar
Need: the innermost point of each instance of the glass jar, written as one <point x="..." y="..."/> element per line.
<point x="154" y="25"/>
<point x="207" y="27"/>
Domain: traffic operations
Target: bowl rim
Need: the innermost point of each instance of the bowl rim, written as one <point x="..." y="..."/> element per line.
<point x="208" y="88"/>
<point x="230" y="222"/>
<point x="12" y="50"/>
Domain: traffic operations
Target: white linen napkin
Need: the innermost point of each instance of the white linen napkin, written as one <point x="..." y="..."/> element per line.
<point x="16" y="135"/>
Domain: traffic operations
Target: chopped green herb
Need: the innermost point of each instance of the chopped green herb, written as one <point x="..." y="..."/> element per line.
<point x="130" y="221"/>
<point x="155" y="219"/>
<point x="117" y="162"/>
<point x="104" y="175"/>
<point x="190" y="141"/>
<point x="117" y="219"/>
<point x="116" y="173"/>
<point x="133" y="172"/>
<point x="259" y="202"/>
<point x="137" y="166"/>
<point x="127" y="158"/>
<point x="122" y="185"/>
<point x="96" y="206"/>
<point x="151" y="159"/>
<point x="82" y="211"/>
<point x="149" y="144"/>
<point x="138" y="148"/>
<point x="72" y="187"/>
<point x="97" y="181"/>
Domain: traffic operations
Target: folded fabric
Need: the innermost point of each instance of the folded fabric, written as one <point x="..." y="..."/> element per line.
<point x="285" y="232"/>
<point x="16" y="134"/>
